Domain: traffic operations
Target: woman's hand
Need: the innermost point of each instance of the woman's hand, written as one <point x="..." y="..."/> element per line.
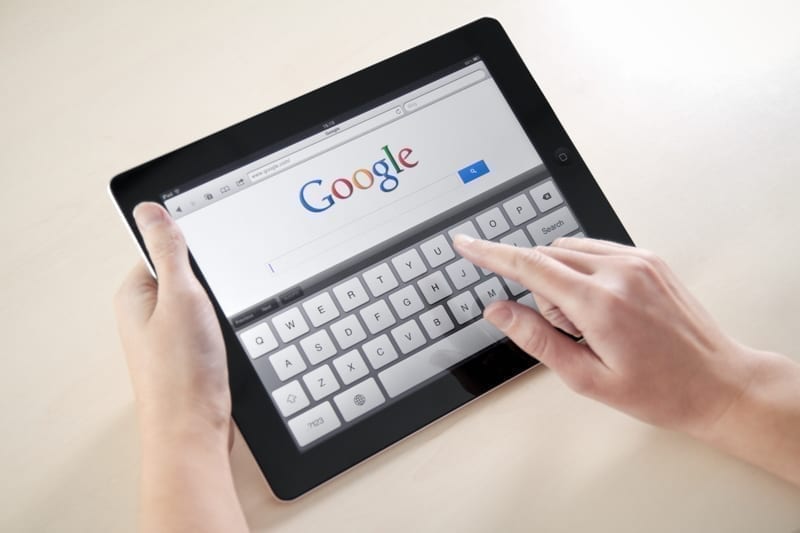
<point x="176" y="358"/>
<point x="649" y="347"/>
<point x="173" y="342"/>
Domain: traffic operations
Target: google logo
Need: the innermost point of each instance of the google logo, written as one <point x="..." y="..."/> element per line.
<point x="362" y="178"/>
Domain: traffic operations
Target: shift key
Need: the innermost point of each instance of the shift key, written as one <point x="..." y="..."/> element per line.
<point x="551" y="227"/>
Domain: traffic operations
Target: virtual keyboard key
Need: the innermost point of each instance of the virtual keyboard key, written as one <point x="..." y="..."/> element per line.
<point x="546" y="196"/>
<point x="462" y="273"/>
<point x="379" y="351"/>
<point x="359" y="399"/>
<point x="529" y="301"/>
<point x="552" y="226"/>
<point x="287" y="363"/>
<point x="290" y="398"/>
<point x="519" y="209"/>
<point x="350" y="367"/>
<point x="320" y="309"/>
<point x="318" y="346"/>
<point x="290" y="324"/>
<point x="437" y="251"/>
<point x="409" y="265"/>
<point x="513" y="287"/>
<point x="492" y="223"/>
<point x="320" y="382"/>
<point x="466" y="228"/>
<point x="490" y="291"/>
<point x="436" y="322"/>
<point x="348" y="331"/>
<point x="258" y="340"/>
<point x="351" y="294"/>
<point x="406" y="301"/>
<point x="314" y="423"/>
<point x="517" y="239"/>
<point x="434" y="287"/>
<point x="408" y="336"/>
<point x="464" y="307"/>
<point x="377" y="316"/>
<point x="380" y="279"/>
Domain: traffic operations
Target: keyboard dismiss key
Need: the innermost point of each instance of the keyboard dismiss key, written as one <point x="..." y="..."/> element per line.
<point x="314" y="423"/>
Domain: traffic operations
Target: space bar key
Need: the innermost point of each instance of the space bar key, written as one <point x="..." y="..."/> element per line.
<point x="438" y="357"/>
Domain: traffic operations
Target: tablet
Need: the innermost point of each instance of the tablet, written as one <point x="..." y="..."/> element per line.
<point x="322" y="231"/>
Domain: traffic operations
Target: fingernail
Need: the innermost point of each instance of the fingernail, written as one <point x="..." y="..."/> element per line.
<point x="462" y="240"/>
<point x="499" y="315"/>
<point x="469" y="247"/>
<point x="146" y="214"/>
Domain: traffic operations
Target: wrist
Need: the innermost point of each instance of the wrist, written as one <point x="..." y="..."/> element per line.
<point x="735" y="383"/>
<point x="183" y="431"/>
<point x="762" y="425"/>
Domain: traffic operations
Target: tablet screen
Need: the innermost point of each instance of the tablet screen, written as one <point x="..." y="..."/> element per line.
<point x="331" y="255"/>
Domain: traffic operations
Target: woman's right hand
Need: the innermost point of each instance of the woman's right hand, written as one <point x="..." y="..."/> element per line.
<point x="649" y="349"/>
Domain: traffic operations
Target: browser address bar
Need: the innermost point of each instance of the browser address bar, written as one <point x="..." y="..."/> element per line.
<point x="341" y="137"/>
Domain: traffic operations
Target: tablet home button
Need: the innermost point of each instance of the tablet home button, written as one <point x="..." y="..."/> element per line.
<point x="562" y="156"/>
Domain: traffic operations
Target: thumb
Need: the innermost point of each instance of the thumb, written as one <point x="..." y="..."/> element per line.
<point x="575" y="363"/>
<point x="164" y="242"/>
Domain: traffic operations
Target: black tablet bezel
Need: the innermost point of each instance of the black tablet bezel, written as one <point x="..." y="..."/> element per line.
<point x="291" y="472"/>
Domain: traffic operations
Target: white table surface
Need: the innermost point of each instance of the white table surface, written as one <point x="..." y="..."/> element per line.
<point x="688" y="114"/>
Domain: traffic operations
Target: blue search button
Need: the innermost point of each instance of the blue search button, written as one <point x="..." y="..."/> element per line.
<point x="473" y="172"/>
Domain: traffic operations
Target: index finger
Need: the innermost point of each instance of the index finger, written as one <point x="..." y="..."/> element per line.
<point x="539" y="272"/>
